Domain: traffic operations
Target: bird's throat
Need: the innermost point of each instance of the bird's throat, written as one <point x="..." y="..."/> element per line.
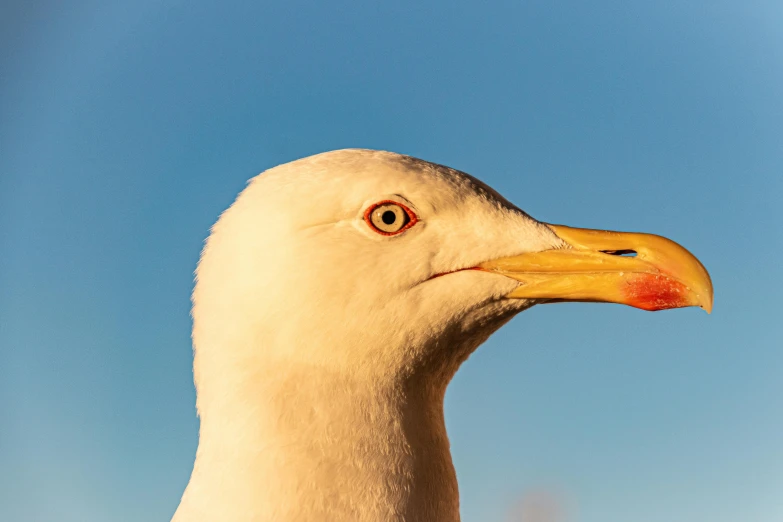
<point x="313" y="446"/>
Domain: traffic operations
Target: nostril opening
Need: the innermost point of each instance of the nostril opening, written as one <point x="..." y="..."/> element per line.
<point x="623" y="253"/>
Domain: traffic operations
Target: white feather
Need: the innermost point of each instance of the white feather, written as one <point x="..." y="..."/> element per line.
<point x="323" y="349"/>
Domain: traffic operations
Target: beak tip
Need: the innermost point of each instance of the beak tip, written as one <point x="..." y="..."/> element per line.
<point x="707" y="293"/>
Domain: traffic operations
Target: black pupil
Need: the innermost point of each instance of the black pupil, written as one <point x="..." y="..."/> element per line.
<point x="389" y="217"/>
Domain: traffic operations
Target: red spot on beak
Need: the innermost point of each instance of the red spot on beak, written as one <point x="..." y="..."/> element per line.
<point x="654" y="292"/>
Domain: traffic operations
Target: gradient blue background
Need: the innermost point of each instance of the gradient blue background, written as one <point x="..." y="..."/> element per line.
<point x="126" y="128"/>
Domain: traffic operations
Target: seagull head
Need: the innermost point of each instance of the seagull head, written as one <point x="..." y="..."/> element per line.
<point x="384" y="266"/>
<point x="335" y="300"/>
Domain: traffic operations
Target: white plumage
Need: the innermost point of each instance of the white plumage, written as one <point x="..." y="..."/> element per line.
<point x="323" y="348"/>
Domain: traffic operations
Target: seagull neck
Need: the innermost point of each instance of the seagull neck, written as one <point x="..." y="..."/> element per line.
<point x="318" y="446"/>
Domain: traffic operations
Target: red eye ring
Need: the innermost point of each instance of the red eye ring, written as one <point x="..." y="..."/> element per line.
<point x="412" y="217"/>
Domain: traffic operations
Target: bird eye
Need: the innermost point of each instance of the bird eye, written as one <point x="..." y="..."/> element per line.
<point x="389" y="218"/>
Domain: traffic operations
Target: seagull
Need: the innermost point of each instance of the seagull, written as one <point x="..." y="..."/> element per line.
<point x="335" y="300"/>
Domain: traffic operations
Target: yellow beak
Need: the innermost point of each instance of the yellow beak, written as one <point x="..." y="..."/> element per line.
<point x="597" y="267"/>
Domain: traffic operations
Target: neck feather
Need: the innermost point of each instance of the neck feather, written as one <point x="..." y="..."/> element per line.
<point x="310" y="445"/>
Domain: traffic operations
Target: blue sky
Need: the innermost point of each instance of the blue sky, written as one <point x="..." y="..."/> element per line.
<point x="126" y="128"/>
